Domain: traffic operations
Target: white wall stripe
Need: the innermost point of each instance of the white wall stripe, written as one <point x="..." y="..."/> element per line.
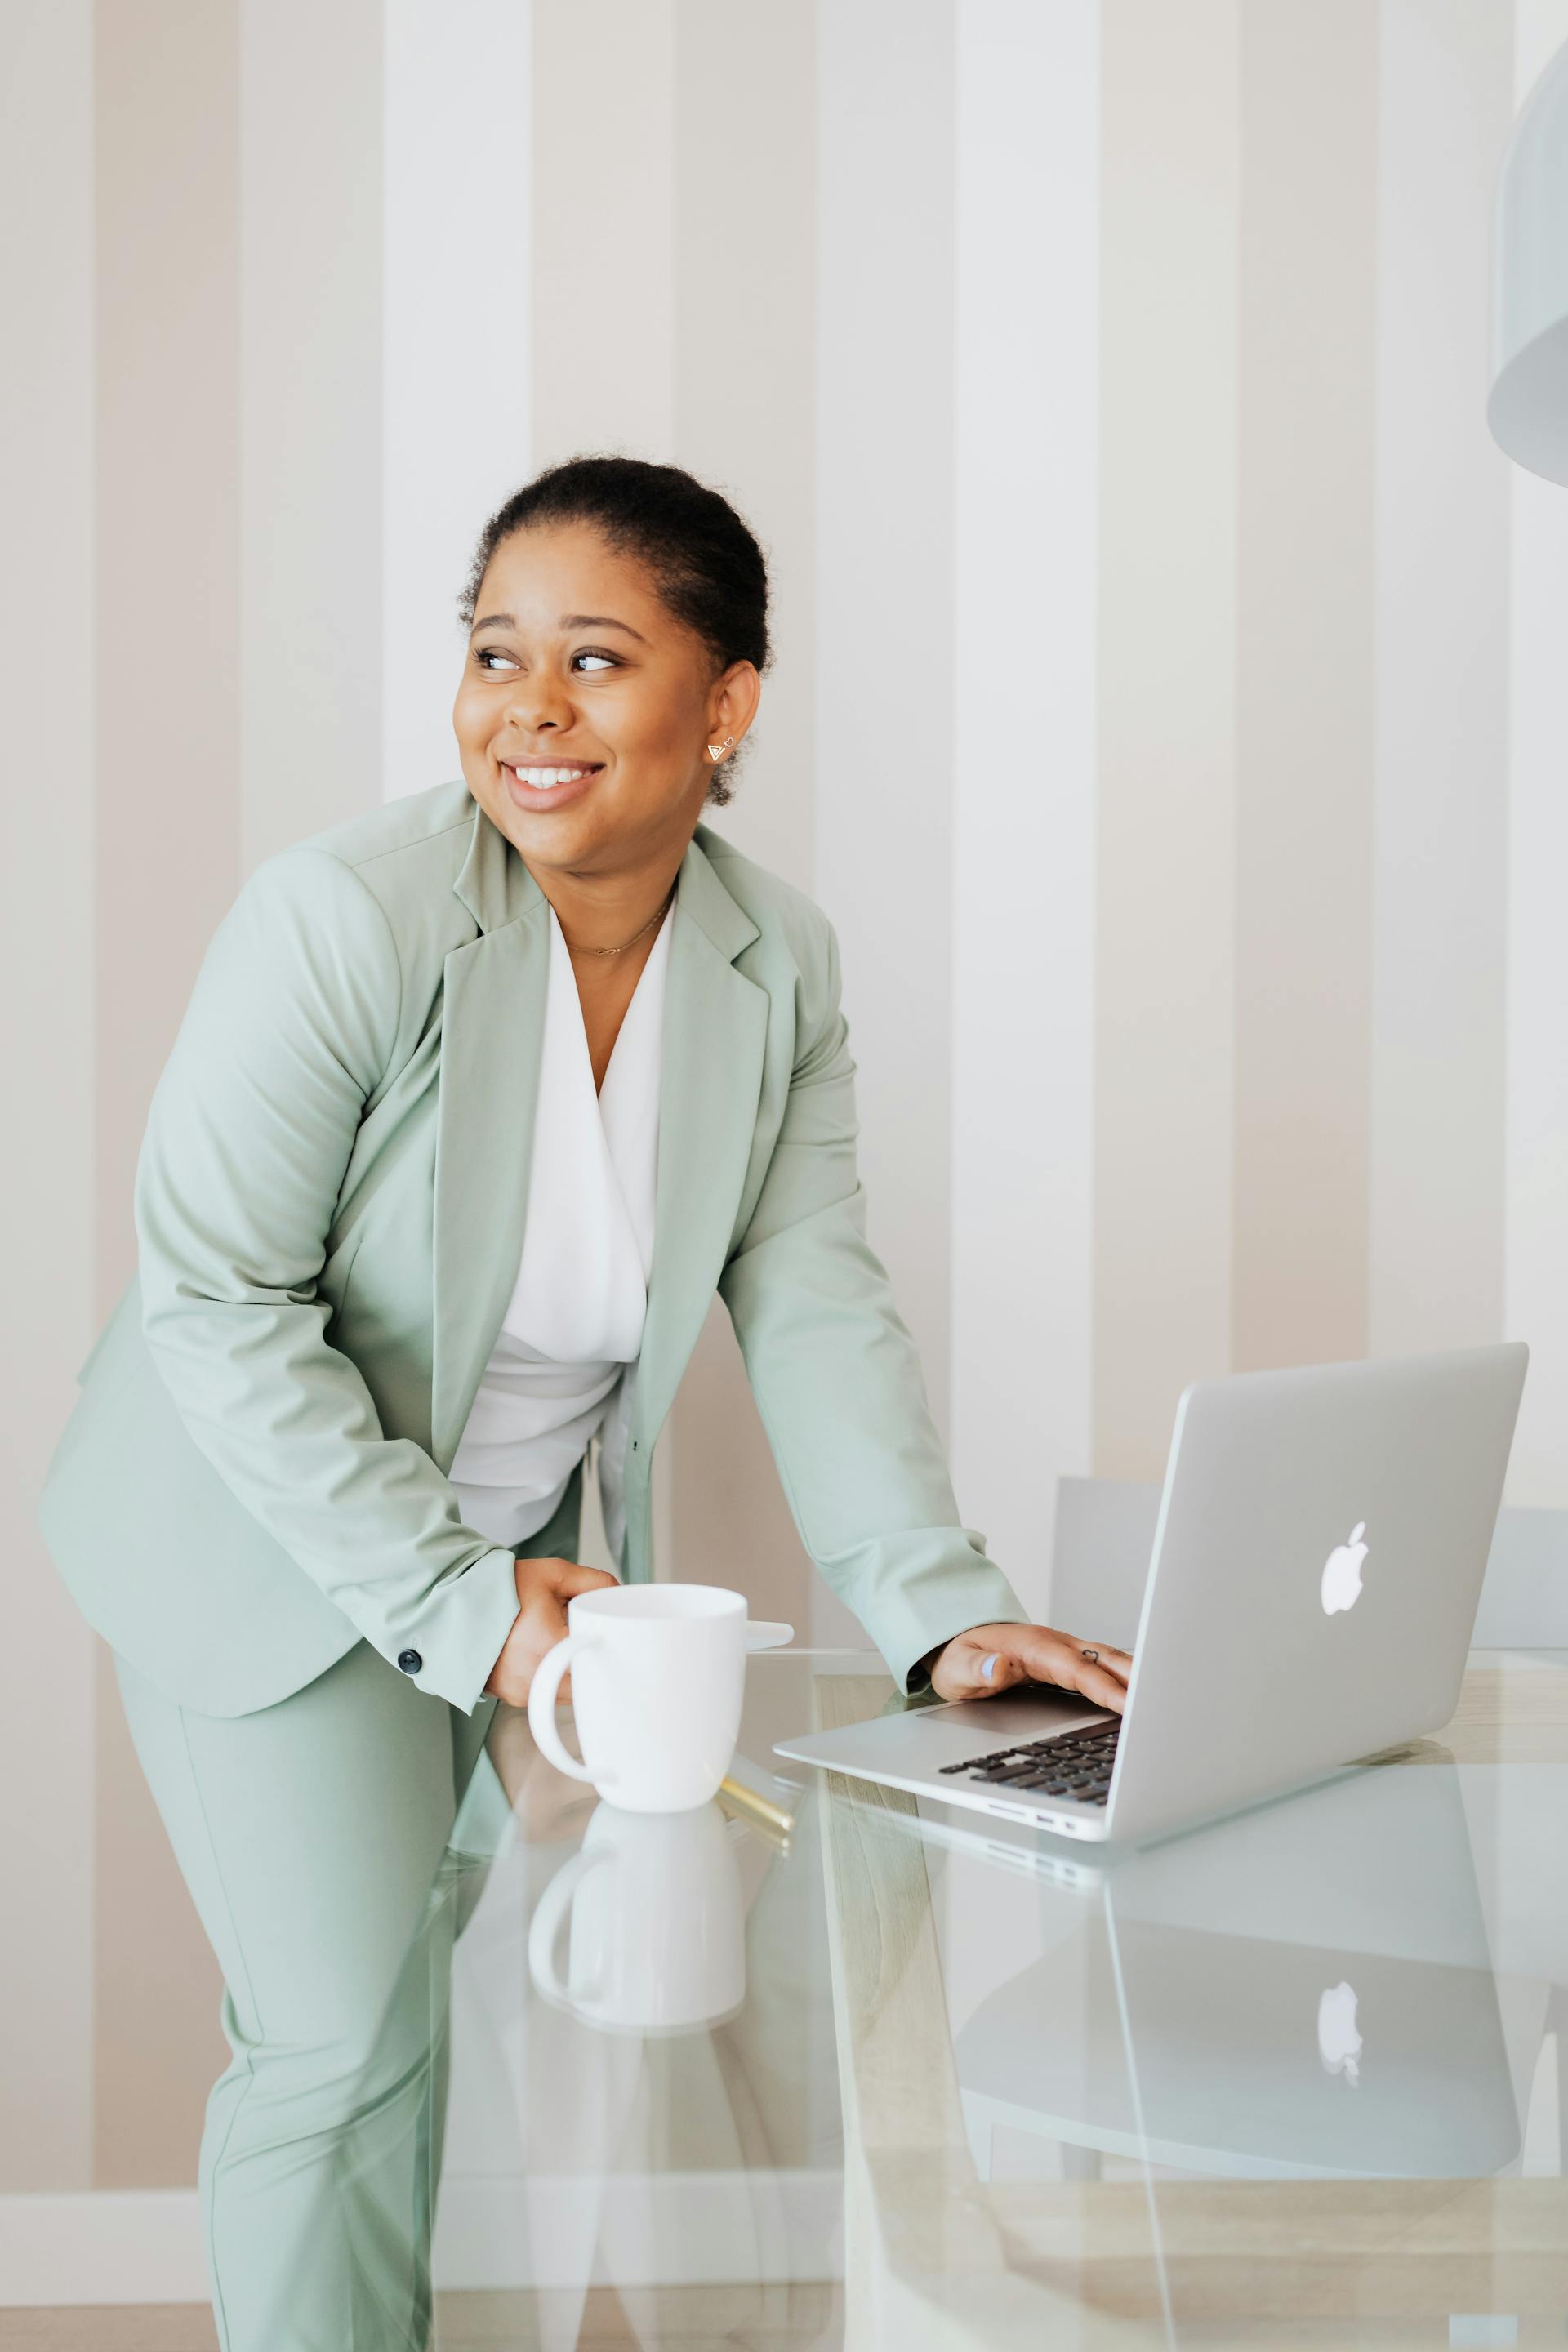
<point x="885" y="607"/>
<point x="1026" y="343"/>
<point x="746" y="422"/>
<point x="1536" y="1274"/>
<point x="1440" y="821"/>
<point x="1165" y="909"/>
<point x="455" y="231"/>
<point x="49" y="1175"/>
<point x="1540" y="30"/>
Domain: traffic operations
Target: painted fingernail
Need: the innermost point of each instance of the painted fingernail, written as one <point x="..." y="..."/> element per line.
<point x="988" y="1666"/>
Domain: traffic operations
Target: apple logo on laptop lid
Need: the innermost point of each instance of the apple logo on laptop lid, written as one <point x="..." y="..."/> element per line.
<point x="1342" y="1572"/>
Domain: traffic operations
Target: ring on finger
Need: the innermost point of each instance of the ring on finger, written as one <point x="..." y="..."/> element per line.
<point x="1093" y="1656"/>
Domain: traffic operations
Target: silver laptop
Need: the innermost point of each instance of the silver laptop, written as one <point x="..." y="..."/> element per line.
<point x="1316" y="1571"/>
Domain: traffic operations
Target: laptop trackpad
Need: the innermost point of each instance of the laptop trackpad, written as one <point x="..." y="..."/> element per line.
<point x="916" y="1743"/>
<point x="1031" y="1711"/>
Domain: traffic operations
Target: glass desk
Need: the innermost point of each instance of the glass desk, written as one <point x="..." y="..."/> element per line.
<point x="902" y="2078"/>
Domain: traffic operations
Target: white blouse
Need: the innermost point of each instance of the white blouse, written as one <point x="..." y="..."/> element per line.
<point x="575" y="1324"/>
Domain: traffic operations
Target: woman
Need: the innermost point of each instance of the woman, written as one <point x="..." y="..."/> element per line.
<point x="401" y="1253"/>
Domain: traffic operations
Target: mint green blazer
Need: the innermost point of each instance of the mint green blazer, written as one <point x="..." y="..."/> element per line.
<point x="330" y="1202"/>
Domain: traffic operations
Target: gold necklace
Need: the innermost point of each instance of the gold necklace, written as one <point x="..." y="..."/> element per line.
<point x="635" y="936"/>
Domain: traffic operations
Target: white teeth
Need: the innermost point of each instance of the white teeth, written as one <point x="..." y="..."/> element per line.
<point x="543" y="778"/>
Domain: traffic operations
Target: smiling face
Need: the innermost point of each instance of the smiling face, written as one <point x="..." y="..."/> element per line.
<point x="578" y="675"/>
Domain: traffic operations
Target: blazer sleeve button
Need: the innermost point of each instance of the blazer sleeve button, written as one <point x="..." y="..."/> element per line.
<point x="410" y="1661"/>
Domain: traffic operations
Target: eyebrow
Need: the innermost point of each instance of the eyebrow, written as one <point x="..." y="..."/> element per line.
<point x="568" y="621"/>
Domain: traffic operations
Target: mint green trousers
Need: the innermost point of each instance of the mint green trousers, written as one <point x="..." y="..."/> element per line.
<point x="334" y="1845"/>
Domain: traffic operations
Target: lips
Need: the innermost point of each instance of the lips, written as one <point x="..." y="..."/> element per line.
<point x="543" y="774"/>
<point x="543" y="784"/>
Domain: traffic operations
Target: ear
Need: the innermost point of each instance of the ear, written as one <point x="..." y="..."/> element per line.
<point x="735" y="703"/>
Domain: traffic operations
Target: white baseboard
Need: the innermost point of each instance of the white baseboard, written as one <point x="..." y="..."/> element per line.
<point x="120" y="2245"/>
<point x="691" y="2228"/>
<point x="667" y="2229"/>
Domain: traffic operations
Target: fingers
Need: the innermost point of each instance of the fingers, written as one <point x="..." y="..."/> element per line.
<point x="1104" y="1689"/>
<point x="540" y="1624"/>
<point x="1118" y="1661"/>
<point x="978" y="1662"/>
<point x="572" y="1578"/>
<point x="991" y="1658"/>
<point x="543" y="1588"/>
<point x="1108" y="1673"/>
<point x="1065" y="1653"/>
<point x="970" y="1668"/>
<point x="1059" y="1658"/>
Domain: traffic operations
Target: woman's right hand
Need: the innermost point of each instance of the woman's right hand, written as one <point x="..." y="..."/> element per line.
<point x="543" y="1588"/>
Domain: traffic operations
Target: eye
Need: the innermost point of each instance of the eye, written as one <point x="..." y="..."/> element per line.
<point x="485" y="655"/>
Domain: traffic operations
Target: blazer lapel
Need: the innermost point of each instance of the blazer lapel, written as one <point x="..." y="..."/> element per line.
<point x="715" y="1031"/>
<point x="492" y="1036"/>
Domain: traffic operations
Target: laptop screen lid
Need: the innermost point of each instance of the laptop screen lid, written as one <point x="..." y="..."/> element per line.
<point x="1318" y="1562"/>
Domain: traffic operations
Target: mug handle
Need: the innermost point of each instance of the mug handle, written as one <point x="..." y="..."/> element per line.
<point x="541" y="1690"/>
<point x="763" y="1633"/>
<point x="549" y="1914"/>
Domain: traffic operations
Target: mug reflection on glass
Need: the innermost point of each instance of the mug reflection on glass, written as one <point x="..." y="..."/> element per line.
<point x="657" y="1937"/>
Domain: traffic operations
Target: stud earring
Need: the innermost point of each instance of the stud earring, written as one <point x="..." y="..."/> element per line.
<point x="717" y="753"/>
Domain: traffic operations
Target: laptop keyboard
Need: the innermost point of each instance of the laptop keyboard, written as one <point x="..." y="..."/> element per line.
<point x="1077" y="1765"/>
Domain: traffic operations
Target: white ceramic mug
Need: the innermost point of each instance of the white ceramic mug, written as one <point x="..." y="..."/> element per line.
<point x="657" y="1937"/>
<point x="658" y="1674"/>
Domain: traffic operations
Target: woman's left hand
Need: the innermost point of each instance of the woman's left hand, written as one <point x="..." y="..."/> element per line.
<point x="992" y="1658"/>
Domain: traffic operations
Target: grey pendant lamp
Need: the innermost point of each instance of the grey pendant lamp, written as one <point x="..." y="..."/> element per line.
<point x="1527" y="409"/>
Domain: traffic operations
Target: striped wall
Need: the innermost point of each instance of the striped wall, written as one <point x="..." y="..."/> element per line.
<point x="1168" y="710"/>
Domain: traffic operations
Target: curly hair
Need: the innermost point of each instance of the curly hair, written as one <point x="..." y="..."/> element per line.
<point x="703" y="559"/>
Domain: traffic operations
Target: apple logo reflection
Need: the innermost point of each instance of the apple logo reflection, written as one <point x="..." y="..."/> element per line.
<point x="1339" y="2043"/>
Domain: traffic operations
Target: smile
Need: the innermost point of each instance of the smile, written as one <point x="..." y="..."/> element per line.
<point x="565" y="774"/>
<point x="549" y="784"/>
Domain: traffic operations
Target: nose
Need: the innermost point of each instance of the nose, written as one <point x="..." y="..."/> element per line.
<point x="538" y="703"/>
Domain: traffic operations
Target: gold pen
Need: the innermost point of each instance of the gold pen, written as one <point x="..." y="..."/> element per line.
<point x="756" y="1808"/>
